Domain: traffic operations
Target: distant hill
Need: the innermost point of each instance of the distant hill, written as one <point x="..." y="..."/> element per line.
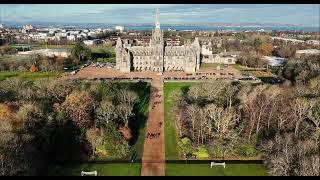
<point x="106" y="25"/>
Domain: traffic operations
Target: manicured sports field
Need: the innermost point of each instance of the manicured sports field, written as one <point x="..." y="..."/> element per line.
<point x="121" y="169"/>
<point x="205" y="170"/>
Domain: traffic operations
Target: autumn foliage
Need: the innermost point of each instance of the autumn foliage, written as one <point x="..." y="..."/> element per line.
<point x="34" y="68"/>
<point x="5" y="112"/>
<point x="266" y="49"/>
<point x="78" y="104"/>
<point x="126" y="132"/>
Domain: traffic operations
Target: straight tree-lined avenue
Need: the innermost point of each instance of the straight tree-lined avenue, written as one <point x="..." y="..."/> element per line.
<point x="153" y="160"/>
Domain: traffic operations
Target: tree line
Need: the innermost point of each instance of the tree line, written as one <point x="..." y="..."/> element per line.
<point x="58" y="120"/>
<point x="230" y="120"/>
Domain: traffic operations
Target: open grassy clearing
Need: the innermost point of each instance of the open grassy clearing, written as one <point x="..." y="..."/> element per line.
<point x="215" y="65"/>
<point x="28" y="75"/>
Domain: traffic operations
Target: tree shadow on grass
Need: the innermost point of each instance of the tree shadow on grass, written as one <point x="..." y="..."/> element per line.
<point x="138" y="121"/>
<point x="185" y="89"/>
<point x="67" y="145"/>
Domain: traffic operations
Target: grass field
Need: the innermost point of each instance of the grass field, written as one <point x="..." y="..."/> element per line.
<point x="120" y="169"/>
<point x="28" y="75"/>
<point x="215" y="65"/>
<point x="170" y="132"/>
<point x="43" y="46"/>
<point x="101" y="48"/>
<point x="257" y="72"/>
<point x="205" y="170"/>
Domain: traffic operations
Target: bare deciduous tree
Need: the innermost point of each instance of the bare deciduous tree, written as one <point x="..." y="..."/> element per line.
<point x="124" y="111"/>
<point x="126" y="96"/>
<point x="301" y="107"/>
<point x="94" y="136"/>
<point x="105" y="112"/>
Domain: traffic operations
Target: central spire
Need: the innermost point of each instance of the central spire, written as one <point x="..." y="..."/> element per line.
<point x="157" y="19"/>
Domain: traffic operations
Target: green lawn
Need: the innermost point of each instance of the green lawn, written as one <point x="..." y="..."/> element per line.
<point x="205" y="170"/>
<point x="170" y="132"/>
<point x="119" y="169"/>
<point x="28" y="75"/>
<point x="211" y="65"/>
<point x="215" y="65"/>
<point x="44" y="46"/>
<point x="101" y="47"/>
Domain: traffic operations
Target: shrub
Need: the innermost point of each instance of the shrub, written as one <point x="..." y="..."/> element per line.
<point x="246" y="150"/>
<point x="114" y="144"/>
<point x="185" y="146"/>
<point x="215" y="151"/>
<point x="201" y="152"/>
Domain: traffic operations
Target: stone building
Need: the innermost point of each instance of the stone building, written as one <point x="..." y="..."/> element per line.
<point x="222" y="58"/>
<point x="157" y="56"/>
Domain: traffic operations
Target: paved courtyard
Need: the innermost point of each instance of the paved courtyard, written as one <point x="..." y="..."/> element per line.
<point x="96" y="72"/>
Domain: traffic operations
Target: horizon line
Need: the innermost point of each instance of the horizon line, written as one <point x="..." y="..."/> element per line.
<point x="208" y="23"/>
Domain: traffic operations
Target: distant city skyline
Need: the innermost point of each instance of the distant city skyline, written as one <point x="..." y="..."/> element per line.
<point x="295" y="14"/>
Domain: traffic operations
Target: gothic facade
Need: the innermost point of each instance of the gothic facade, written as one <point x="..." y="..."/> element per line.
<point x="157" y="56"/>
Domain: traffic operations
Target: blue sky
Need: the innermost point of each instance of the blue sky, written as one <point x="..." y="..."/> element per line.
<point x="299" y="14"/>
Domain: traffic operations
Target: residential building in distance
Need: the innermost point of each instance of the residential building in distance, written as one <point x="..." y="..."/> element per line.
<point x="307" y="52"/>
<point x="314" y="42"/>
<point x="222" y="58"/>
<point x="288" y="40"/>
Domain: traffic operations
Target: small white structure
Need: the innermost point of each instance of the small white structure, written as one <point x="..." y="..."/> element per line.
<point x="119" y="28"/>
<point x="218" y="164"/>
<point x="27" y="27"/>
<point x="91" y="173"/>
<point x="71" y="38"/>
<point x="92" y="42"/>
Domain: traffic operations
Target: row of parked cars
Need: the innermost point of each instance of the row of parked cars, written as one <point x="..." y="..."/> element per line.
<point x="116" y="78"/>
<point x="212" y="73"/>
<point x="196" y="78"/>
<point x="101" y="65"/>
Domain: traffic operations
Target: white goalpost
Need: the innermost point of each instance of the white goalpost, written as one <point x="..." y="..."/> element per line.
<point x="218" y="164"/>
<point x="91" y="173"/>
